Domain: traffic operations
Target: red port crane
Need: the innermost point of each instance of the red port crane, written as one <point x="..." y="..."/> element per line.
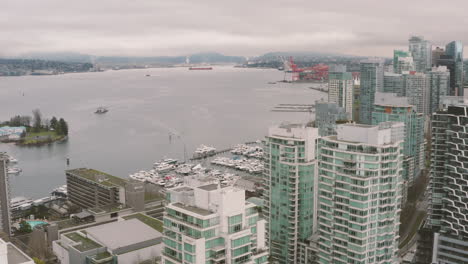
<point x="317" y="72"/>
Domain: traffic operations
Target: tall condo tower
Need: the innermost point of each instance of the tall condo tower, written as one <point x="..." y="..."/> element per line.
<point x="421" y="51"/>
<point x="341" y="89"/>
<point x="359" y="200"/>
<point x="371" y="81"/>
<point x="289" y="189"/>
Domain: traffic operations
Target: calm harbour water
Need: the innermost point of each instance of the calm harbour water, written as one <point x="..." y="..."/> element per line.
<point x="221" y="107"/>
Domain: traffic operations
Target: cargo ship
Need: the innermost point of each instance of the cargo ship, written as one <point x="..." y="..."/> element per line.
<point x="200" y="68"/>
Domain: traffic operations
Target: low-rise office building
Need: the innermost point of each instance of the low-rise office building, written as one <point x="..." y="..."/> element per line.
<point x="127" y="241"/>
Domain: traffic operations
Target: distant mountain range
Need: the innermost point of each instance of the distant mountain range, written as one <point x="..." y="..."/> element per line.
<point x="210" y="57"/>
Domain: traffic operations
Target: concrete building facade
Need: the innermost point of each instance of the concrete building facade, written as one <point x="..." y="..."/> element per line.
<point x="125" y="241"/>
<point x="360" y="183"/>
<point x="90" y="188"/>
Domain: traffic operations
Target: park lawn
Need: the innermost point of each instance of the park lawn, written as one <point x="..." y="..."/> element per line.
<point x="41" y="137"/>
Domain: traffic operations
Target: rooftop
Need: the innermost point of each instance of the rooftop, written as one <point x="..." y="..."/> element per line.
<point x="16" y="256"/>
<point x="150" y="221"/>
<point x="121" y="234"/>
<point x="108" y="209"/>
<point x="256" y="200"/>
<point x="209" y="187"/>
<point x="85" y="243"/>
<point x="193" y="209"/>
<point x="391" y="99"/>
<point x="182" y="189"/>
<point x="98" y="177"/>
<point x="382" y="134"/>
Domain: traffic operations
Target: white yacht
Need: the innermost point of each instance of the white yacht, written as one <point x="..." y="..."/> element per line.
<point x="61" y="191"/>
<point x="12" y="160"/>
<point x="164" y="167"/>
<point x="203" y="152"/>
<point x="14" y="170"/>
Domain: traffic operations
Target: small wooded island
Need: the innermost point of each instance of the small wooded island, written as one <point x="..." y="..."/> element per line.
<point x="33" y="131"/>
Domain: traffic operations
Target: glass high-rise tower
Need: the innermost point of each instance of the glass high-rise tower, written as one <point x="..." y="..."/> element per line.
<point x="289" y="189"/>
<point x="421" y="51"/>
<point x="402" y="61"/>
<point x="455" y="50"/>
<point x="440" y="86"/>
<point x="360" y="190"/>
<point x="371" y="81"/>
<point x="341" y="90"/>
<point x="389" y="107"/>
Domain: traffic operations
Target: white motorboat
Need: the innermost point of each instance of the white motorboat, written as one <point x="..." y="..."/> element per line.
<point x="12" y="160"/>
<point x="204" y="151"/>
<point x="14" y="170"/>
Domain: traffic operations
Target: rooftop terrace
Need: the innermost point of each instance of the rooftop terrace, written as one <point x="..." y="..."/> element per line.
<point x="193" y="209"/>
<point x="98" y="177"/>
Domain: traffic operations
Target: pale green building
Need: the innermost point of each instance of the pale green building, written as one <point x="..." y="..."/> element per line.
<point x="289" y="190"/>
<point x="360" y="189"/>
<point x="389" y="107"/>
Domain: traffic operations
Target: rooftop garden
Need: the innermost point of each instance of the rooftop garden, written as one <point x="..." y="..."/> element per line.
<point x="150" y="221"/>
<point x="99" y="177"/>
<point x="85" y="243"/>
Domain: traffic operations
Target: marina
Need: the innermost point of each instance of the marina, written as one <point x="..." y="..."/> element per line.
<point x="134" y="136"/>
<point x="253" y="166"/>
<point x="204" y="152"/>
<point x="244" y="160"/>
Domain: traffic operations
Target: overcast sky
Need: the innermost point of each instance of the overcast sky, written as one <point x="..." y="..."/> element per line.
<point x="235" y="27"/>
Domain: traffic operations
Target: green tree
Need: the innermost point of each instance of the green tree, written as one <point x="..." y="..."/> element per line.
<point x="62" y="127"/>
<point x="54" y="123"/>
<point x="37" y="120"/>
<point x="25" y="227"/>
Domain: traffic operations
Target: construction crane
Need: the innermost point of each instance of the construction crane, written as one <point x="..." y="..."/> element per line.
<point x="317" y="72"/>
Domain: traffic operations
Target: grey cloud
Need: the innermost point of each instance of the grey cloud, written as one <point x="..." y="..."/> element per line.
<point x="242" y="27"/>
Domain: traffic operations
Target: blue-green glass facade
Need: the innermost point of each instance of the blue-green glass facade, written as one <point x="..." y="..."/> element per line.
<point x="289" y="195"/>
